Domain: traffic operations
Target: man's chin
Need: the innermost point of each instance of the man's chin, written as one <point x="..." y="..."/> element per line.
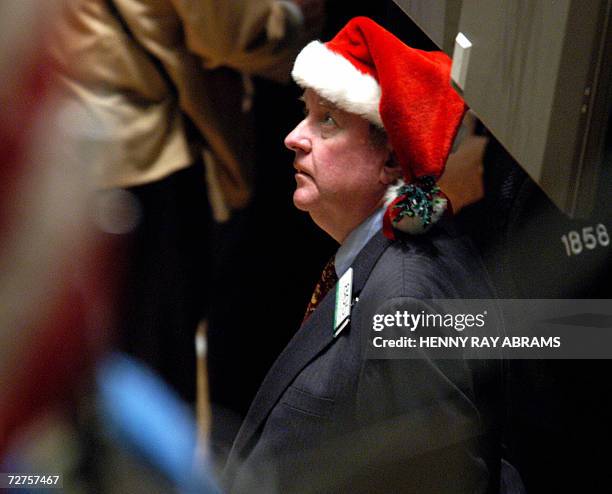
<point x="300" y="206"/>
<point x="301" y="202"/>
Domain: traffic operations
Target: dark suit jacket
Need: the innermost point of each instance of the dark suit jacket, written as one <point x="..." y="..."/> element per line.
<point x="328" y="419"/>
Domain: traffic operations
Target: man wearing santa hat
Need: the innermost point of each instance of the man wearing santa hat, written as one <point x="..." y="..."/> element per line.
<point x="380" y="121"/>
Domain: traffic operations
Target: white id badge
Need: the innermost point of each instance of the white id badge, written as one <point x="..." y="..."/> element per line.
<point x="344" y="295"/>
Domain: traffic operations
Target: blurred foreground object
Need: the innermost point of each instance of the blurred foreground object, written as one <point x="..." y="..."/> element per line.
<point x="149" y="419"/>
<point x="128" y="432"/>
<point x="59" y="258"/>
<point x="55" y="279"/>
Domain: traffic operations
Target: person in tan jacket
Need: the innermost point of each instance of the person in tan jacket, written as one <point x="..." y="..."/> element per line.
<point x="165" y="86"/>
<point x="140" y="66"/>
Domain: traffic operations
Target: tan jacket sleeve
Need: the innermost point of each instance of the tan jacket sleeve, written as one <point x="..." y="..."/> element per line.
<point x="258" y="37"/>
<point x="203" y="47"/>
<point x="238" y="34"/>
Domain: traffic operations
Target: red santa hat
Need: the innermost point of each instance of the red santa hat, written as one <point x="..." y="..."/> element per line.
<point x="366" y="70"/>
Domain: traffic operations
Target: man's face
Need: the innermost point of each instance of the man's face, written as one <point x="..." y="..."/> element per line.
<point x="340" y="175"/>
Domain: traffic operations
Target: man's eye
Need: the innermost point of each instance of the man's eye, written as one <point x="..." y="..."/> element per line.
<point x="328" y="120"/>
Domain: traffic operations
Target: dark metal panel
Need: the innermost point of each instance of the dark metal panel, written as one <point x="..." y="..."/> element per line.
<point x="539" y="78"/>
<point x="439" y="19"/>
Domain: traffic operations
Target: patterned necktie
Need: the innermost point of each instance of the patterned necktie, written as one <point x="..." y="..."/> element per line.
<point x="326" y="282"/>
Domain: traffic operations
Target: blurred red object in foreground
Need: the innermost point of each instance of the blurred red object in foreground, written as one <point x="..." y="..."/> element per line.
<point x="56" y="267"/>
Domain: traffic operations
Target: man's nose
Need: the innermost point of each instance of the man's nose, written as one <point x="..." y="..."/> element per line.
<point x="298" y="139"/>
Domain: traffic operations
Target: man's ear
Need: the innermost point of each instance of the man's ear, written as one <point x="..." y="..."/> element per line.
<point x="391" y="170"/>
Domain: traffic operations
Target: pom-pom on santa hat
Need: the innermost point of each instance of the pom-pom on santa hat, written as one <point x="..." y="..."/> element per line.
<point x="366" y="70"/>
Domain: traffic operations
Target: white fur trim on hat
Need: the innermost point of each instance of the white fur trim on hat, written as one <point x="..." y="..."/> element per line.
<point x="336" y="79"/>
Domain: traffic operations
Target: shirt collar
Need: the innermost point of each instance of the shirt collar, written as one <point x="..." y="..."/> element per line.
<point x="356" y="241"/>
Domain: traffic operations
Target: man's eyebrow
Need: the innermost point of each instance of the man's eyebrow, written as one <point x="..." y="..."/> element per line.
<point x="321" y="102"/>
<point x="327" y="104"/>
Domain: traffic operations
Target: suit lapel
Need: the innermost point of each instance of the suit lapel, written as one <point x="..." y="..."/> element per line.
<point x="312" y="338"/>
